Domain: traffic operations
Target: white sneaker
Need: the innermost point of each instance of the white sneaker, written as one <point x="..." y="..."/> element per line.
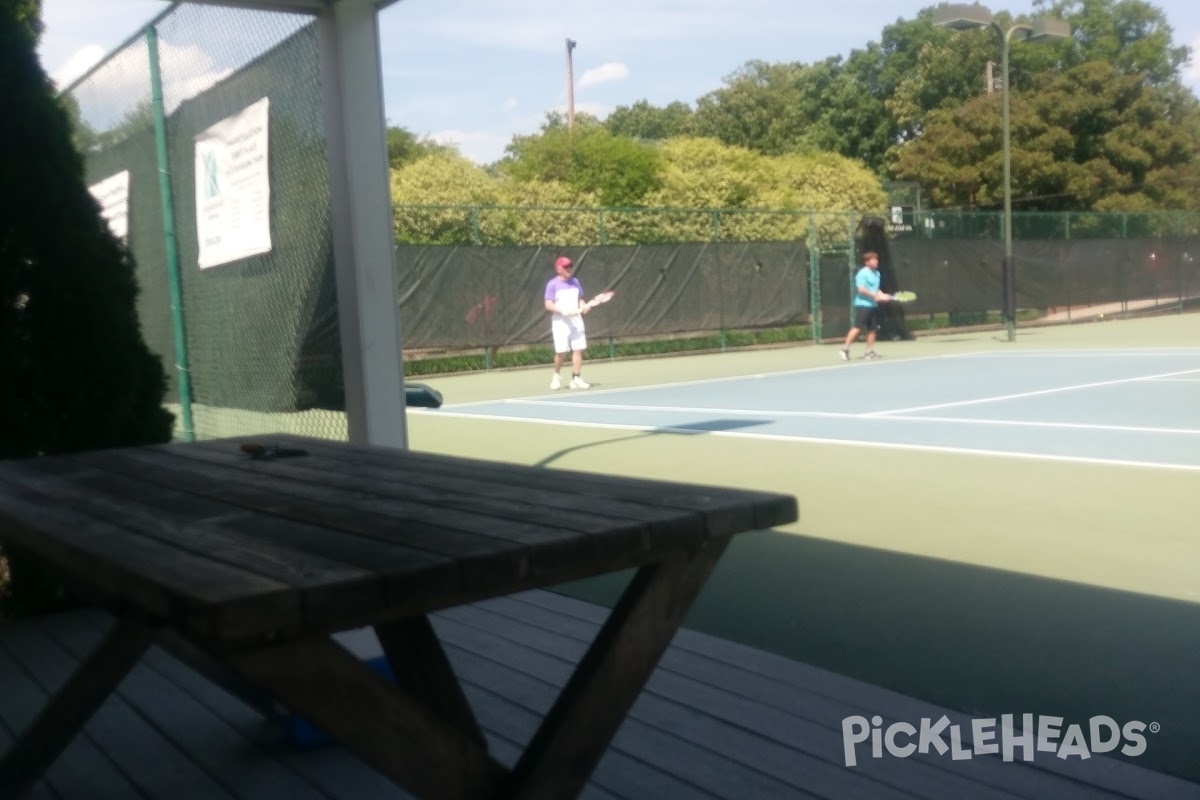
<point x="579" y="383"/>
<point x="555" y="382"/>
<point x="844" y="353"/>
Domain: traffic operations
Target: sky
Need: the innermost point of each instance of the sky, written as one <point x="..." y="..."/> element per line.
<point x="477" y="72"/>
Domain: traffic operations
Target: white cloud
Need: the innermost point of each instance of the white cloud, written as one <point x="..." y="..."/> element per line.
<point x="1191" y="70"/>
<point x="544" y="25"/>
<point x="117" y="87"/>
<point x="510" y="104"/>
<point x="482" y="147"/>
<point x="597" y="110"/>
<point x="79" y="63"/>
<point x="604" y="73"/>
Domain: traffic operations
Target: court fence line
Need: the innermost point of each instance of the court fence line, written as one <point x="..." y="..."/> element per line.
<point x="252" y="342"/>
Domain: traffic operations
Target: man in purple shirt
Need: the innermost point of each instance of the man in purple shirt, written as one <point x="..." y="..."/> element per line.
<point x="564" y="300"/>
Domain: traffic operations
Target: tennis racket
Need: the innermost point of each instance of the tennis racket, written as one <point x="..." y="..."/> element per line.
<point x="904" y="297"/>
<point x="603" y="297"/>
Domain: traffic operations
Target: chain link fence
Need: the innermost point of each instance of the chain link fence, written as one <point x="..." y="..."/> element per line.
<point x="704" y="272"/>
<point x="253" y="340"/>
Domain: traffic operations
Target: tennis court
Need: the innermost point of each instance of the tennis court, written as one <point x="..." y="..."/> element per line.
<point x="1122" y="406"/>
<point x="996" y="527"/>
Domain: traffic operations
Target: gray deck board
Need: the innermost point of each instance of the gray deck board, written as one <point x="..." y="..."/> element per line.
<point x="1096" y="778"/>
<point x="717" y="720"/>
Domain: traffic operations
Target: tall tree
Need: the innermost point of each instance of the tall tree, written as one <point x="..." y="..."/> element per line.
<point x="647" y="122"/>
<point x="1089" y="138"/>
<point x="76" y="371"/>
<point x="29" y="14"/>
<point x="958" y="157"/>
<point x="756" y="109"/>
<point x="1135" y="143"/>
<point x="404" y="147"/>
<point x="1132" y="35"/>
<point x="617" y="170"/>
<point x="440" y="179"/>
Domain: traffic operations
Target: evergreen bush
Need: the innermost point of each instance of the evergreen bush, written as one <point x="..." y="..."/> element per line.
<point x="75" y="372"/>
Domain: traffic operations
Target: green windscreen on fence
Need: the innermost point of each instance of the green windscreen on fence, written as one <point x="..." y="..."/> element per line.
<point x="261" y="331"/>
<point x="253" y="345"/>
<point x="962" y="277"/>
<point x="249" y="321"/>
<point x="462" y="297"/>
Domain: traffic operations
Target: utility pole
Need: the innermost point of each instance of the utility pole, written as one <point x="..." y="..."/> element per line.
<point x="991" y="82"/>
<point x="570" y="87"/>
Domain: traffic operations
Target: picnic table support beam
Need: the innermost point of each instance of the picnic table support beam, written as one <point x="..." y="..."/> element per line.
<point x="218" y="672"/>
<point x="572" y="739"/>
<point x="389" y="727"/>
<point x="36" y="748"/>
<point x="419" y="663"/>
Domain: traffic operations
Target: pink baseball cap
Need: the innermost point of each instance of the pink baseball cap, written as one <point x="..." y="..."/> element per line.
<point x="562" y="261"/>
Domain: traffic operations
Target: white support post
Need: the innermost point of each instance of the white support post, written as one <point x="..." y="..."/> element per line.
<point x="363" y="244"/>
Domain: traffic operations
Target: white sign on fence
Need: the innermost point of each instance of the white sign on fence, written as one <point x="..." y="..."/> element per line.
<point x="233" y="188"/>
<point x="112" y="194"/>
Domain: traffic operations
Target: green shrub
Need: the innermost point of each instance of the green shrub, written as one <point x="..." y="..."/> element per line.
<point x="76" y="373"/>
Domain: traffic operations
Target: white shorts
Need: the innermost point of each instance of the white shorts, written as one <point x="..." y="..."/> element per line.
<point x="568" y="333"/>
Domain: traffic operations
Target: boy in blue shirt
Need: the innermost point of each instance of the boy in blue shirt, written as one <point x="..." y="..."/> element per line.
<point x="867" y="298"/>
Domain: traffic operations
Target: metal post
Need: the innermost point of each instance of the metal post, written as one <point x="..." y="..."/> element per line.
<point x="179" y="330"/>
<point x="570" y="87"/>
<point x="1010" y="283"/>
<point x="814" y="283"/>
<point x="961" y="16"/>
<point x="716" y="237"/>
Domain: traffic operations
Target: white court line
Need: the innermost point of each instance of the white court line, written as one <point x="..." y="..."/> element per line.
<point x="1174" y="380"/>
<point x="754" y="412"/>
<point x="1087" y="426"/>
<point x="1019" y="395"/>
<point x="802" y="370"/>
<point x="846" y="442"/>
<point x="745" y="412"/>
<point x="726" y="379"/>
<point x="1132" y="352"/>
<point x="1091" y="354"/>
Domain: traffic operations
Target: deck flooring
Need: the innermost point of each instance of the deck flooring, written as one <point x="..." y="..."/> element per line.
<point x="717" y="720"/>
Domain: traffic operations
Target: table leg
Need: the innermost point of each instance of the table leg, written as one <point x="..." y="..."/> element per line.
<point x="419" y="663"/>
<point x="58" y="723"/>
<point x="217" y="671"/>
<point x="389" y="727"/>
<point x="612" y="673"/>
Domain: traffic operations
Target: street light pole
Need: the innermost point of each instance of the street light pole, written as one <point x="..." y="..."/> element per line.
<point x="570" y="87"/>
<point x="1008" y="268"/>
<point x="965" y="17"/>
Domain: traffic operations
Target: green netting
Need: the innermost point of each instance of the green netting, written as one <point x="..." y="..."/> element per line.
<point x="261" y="332"/>
<point x="115" y="130"/>
<point x="481" y="297"/>
<point x="249" y="320"/>
<point x="963" y="278"/>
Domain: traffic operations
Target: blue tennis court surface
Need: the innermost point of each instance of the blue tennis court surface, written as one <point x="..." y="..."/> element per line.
<point x="1133" y="407"/>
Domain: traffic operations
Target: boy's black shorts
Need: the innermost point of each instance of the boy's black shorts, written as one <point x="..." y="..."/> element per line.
<point x="866" y="318"/>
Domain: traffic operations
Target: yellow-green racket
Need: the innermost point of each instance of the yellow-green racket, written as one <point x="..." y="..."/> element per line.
<point x="904" y="297"/>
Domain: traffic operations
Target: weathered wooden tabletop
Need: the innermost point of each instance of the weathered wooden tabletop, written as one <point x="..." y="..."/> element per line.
<point x="245" y="563"/>
<point x="227" y="545"/>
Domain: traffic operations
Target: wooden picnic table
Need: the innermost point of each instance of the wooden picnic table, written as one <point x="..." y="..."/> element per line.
<point x="247" y="564"/>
